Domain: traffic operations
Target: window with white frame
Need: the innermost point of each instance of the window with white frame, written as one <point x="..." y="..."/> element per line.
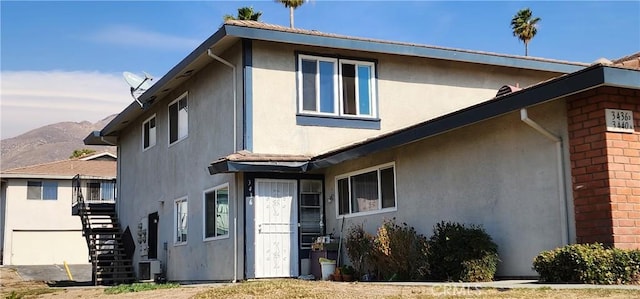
<point x="178" y="119"/>
<point x="42" y="190"/>
<point x="93" y="191"/>
<point x="367" y="190"/>
<point x="101" y="191"/>
<point x="108" y="190"/>
<point x="149" y="132"/>
<point x="216" y="212"/>
<point x="336" y="87"/>
<point x="180" y="221"/>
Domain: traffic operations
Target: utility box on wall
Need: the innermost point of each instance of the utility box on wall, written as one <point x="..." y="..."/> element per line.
<point x="148" y="270"/>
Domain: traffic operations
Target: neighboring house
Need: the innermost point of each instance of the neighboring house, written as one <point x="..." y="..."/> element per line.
<point x="104" y="156"/>
<point x="265" y="137"/>
<point x="36" y="224"/>
<point x="630" y="61"/>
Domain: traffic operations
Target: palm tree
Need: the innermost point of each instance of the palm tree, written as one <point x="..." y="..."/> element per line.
<point x="524" y="27"/>
<point x="245" y="13"/>
<point x="292" y="5"/>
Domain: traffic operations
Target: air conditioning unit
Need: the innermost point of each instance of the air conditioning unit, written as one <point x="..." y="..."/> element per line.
<point x="148" y="270"/>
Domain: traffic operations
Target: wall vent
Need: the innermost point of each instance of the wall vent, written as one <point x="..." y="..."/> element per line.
<point x="507" y="89"/>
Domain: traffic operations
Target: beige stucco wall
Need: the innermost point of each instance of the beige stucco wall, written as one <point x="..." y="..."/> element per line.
<point x="150" y="181"/>
<point x="46" y="219"/>
<point x="410" y="90"/>
<point x="499" y="173"/>
<point x="3" y="190"/>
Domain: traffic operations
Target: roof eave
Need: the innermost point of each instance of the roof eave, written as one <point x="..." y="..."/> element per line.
<point x="95" y="138"/>
<point x="227" y="166"/>
<point x="147" y="98"/>
<point x="51" y="176"/>
<point x="403" y="49"/>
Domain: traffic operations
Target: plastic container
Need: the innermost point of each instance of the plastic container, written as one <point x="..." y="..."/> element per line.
<point x="328" y="267"/>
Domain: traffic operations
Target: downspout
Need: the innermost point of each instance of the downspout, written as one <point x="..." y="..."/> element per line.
<point x="562" y="189"/>
<point x="235" y="232"/>
<point x="233" y="68"/>
<point x="235" y="219"/>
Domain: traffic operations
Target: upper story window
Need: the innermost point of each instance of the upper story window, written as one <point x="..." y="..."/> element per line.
<point x="367" y="191"/>
<point x="149" y="132"/>
<point x="336" y="87"/>
<point x="216" y="212"/>
<point x="178" y="119"/>
<point x="44" y="190"/>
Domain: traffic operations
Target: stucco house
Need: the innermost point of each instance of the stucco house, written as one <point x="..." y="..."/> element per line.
<point x="265" y="137"/>
<point x="36" y="223"/>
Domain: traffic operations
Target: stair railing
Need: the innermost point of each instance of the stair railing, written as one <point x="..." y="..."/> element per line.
<point x="79" y="202"/>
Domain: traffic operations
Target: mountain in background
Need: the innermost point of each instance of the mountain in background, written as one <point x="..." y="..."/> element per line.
<point x="50" y="143"/>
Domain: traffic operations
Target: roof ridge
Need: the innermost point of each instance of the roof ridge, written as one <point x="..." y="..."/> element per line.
<point x="11" y="170"/>
<point x="626" y="58"/>
<point x="36" y="165"/>
<point x="275" y="27"/>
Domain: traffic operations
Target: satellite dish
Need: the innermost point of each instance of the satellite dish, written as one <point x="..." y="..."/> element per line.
<point x="138" y="84"/>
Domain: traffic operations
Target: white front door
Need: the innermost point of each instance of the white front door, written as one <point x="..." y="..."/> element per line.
<point x="276" y="228"/>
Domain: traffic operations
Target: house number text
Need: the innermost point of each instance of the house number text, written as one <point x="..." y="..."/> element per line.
<point x="619" y="120"/>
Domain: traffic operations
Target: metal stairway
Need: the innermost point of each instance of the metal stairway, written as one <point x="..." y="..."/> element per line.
<point x="101" y="230"/>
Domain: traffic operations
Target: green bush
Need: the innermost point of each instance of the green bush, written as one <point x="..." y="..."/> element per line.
<point x="462" y="253"/>
<point x="400" y="252"/>
<point x="589" y="263"/>
<point x="626" y="266"/>
<point x="359" y="245"/>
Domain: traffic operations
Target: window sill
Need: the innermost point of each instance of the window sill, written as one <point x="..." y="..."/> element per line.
<point x="180" y="244"/>
<point x="224" y="237"/>
<point x="367" y="213"/>
<point x="177" y="141"/>
<point x="148" y="148"/>
<point x="338" y="122"/>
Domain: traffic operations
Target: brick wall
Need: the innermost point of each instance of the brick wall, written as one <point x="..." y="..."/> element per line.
<point x="605" y="168"/>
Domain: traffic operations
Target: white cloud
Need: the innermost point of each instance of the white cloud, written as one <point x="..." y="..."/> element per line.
<point x="130" y="36"/>
<point x="31" y="99"/>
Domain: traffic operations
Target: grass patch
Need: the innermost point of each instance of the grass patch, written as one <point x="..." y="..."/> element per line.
<point x="28" y="293"/>
<point x="277" y="288"/>
<point x="139" y="287"/>
<point x="291" y="288"/>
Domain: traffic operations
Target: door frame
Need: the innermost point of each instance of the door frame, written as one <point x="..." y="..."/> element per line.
<point x="152" y="227"/>
<point x="249" y="194"/>
<point x="286" y="229"/>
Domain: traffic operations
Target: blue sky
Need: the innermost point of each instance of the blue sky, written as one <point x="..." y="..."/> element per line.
<point x="63" y="60"/>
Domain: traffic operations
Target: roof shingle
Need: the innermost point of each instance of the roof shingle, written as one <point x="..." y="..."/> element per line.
<point x="66" y="168"/>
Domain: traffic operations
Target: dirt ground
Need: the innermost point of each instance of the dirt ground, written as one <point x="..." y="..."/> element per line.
<point x="11" y="282"/>
<point x="13" y="286"/>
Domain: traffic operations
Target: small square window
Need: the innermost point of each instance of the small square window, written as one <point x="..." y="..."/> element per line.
<point x="100" y="191"/>
<point x="34" y="190"/>
<point x="42" y="190"/>
<point x="93" y="191"/>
